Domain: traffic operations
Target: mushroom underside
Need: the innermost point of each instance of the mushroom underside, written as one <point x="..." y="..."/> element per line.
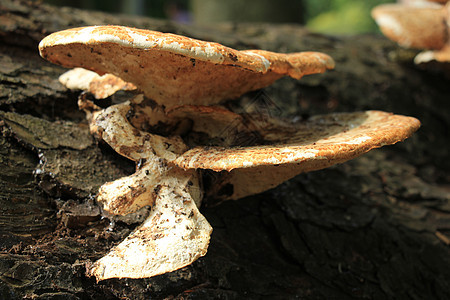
<point x="170" y="79"/>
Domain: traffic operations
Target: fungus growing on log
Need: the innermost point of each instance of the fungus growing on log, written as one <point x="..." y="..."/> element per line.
<point x="421" y="25"/>
<point x="182" y="80"/>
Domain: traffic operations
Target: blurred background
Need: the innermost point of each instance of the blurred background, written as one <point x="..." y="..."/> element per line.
<point x="326" y="16"/>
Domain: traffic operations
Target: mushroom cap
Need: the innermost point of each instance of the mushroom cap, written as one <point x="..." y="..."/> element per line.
<point x="416" y="26"/>
<point x="175" y="70"/>
<point x="316" y="143"/>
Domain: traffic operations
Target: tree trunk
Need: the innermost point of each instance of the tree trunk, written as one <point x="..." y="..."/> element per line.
<point x="377" y="227"/>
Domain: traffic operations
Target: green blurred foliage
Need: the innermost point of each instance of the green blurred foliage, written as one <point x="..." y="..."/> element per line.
<point x="341" y="16"/>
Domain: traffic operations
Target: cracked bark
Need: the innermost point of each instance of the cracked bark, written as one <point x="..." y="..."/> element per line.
<point x="376" y="227"/>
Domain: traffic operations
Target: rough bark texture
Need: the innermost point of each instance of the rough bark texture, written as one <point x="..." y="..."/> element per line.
<point x="377" y="227"/>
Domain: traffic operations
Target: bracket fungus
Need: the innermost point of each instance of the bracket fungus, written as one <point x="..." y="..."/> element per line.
<point x="177" y="134"/>
<point x="420" y="25"/>
<point x="175" y="70"/>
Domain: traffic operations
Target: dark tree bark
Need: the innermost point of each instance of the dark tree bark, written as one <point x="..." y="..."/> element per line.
<point x="377" y="227"/>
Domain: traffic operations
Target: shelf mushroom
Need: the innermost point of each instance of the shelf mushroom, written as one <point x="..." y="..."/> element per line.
<point x="421" y="25"/>
<point x="182" y="80"/>
<point x="175" y="70"/>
